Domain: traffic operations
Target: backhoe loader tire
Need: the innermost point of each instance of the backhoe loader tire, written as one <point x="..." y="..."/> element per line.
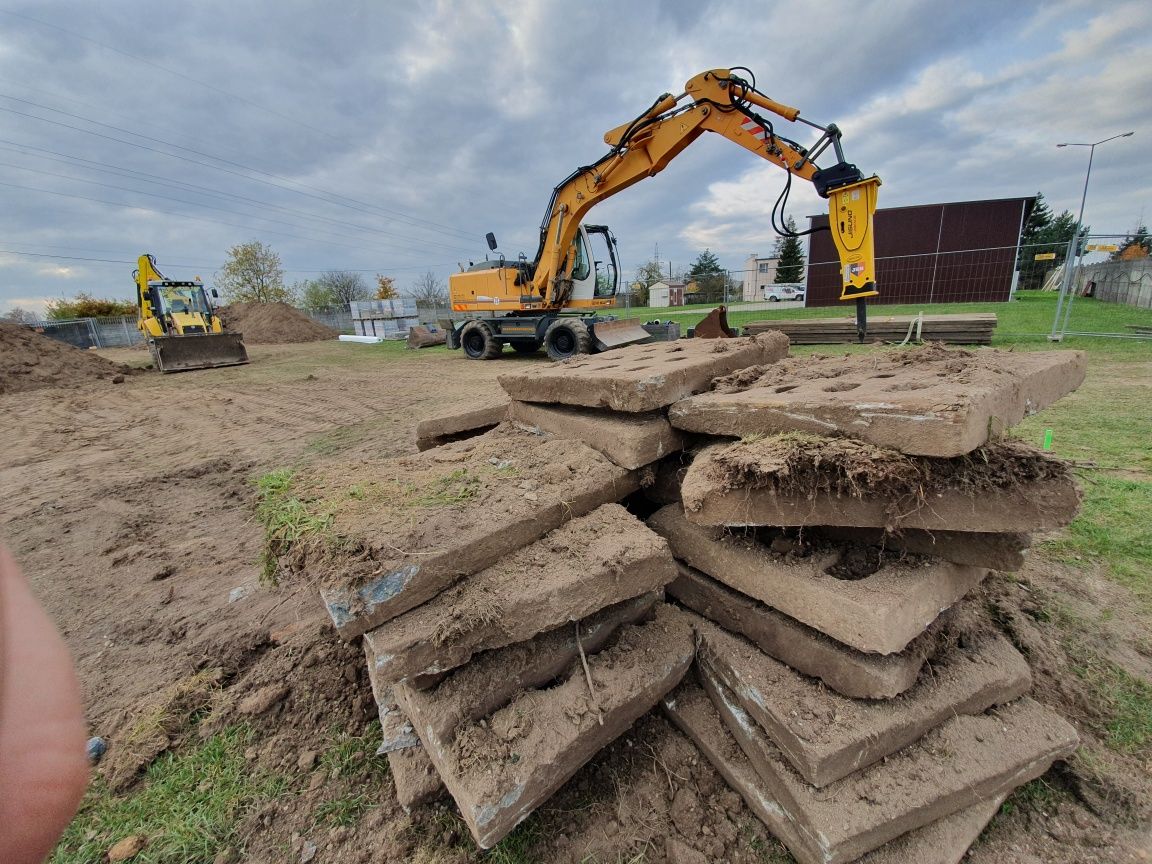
<point x="478" y="342"/>
<point x="565" y="339"/>
<point x="521" y="346"/>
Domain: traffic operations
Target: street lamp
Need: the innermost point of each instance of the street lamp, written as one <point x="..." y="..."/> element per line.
<point x="1065" y="298"/>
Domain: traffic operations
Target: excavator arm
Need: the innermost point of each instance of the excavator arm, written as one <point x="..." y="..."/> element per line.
<point x="722" y="102"/>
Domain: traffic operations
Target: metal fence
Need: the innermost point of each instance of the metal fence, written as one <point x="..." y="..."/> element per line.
<point x="1100" y="296"/>
<point x="115" y="332"/>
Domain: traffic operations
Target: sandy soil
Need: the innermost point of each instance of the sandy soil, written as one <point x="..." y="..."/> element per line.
<point x="130" y="508"/>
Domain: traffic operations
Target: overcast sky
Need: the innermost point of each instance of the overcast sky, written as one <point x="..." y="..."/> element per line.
<point x="388" y="137"/>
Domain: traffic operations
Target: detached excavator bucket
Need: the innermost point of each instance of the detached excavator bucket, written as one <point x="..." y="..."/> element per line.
<point x="613" y="334"/>
<point x="714" y="325"/>
<point x="198" y="351"/>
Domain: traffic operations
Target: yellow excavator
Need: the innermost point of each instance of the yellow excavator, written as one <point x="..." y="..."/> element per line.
<point x="552" y="300"/>
<point x="180" y="324"/>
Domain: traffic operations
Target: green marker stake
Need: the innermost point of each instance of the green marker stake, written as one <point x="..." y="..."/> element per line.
<point x="1047" y="439"/>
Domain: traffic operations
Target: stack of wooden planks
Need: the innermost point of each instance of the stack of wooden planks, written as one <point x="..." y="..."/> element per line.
<point x="974" y="328"/>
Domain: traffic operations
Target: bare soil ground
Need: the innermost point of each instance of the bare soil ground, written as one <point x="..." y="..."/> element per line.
<point x="131" y="510"/>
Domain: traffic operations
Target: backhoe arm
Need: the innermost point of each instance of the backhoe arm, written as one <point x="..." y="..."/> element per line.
<point x="720" y="102"/>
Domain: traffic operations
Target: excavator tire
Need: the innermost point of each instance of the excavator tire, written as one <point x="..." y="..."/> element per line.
<point x="567" y="338"/>
<point x="478" y="341"/>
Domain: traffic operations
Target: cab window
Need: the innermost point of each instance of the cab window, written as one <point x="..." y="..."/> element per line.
<point x="580" y="269"/>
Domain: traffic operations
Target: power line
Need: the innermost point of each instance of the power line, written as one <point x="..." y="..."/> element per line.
<point x="326" y="197"/>
<point x="222" y="209"/>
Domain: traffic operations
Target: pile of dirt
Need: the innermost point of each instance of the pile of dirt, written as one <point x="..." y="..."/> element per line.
<point x="265" y="323"/>
<point x="30" y="361"/>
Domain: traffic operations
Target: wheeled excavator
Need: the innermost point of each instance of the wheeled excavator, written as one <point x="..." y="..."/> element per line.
<point x="180" y="324"/>
<point x="553" y="300"/>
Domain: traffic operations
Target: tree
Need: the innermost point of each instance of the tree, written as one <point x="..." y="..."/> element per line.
<point x="335" y="288"/>
<point x="1135" y="245"/>
<point x="252" y="274"/>
<point x="1043" y="234"/>
<point x="84" y="305"/>
<point x="19" y="316"/>
<point x="385" y="287"/>
<point x="710" y="278"/>
<point x="790" y="267"/>
<point x="428" y="290"/>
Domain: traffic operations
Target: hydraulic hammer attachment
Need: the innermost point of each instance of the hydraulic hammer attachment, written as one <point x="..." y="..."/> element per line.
<point x="850" y="211"/>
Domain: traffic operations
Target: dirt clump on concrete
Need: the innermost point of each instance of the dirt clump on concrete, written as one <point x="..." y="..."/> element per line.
<point x="31" y="361"/>
<point x="265" y="323"/>
<point x="797" y="462"/>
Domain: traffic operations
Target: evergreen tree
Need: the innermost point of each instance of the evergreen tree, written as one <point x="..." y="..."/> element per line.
<point x="709" y="276"/>
<point x="791" y="254"/>
<point x="1044" y="233"/>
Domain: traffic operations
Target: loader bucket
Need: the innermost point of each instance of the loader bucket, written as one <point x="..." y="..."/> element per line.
<point x="613" y="334"/>
<point x="198" y="351"/>
<point x="714" y="325"/>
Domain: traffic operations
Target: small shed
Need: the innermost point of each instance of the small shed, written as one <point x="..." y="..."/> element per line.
<point x="663" y="294"/>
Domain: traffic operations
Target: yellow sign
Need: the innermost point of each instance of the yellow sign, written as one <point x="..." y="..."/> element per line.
<point x="1102" y="247"/>
<point x="1046" y="256"/>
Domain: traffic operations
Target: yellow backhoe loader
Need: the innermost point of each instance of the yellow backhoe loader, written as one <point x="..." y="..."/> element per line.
<point x="181" y="326"/>
<point x="552" y="300"/>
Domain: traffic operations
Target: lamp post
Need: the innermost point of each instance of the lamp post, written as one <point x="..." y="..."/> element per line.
<point x="1064" y="301"/>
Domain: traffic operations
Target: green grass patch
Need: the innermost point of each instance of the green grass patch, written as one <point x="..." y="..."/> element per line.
<point x="453" y="488"/>
<point x="1126" y="701"/>
<point x="186" y="807"/>
<point x="1114" y="528"/>
<point x="354" y="756"/>
<point x="286" y="518"/>
<point x="1037" y="795"/>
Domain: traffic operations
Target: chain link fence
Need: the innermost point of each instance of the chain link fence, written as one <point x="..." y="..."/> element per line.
<point x="1102" y="294"/>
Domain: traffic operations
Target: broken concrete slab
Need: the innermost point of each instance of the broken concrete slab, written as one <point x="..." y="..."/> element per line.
<point x="629" y="440"/>
<point x="414" y="776"/>
<point x="844" y="669"/>
<point x="492" y="679"/>
<point x="994" y="551"/>
<point x="826" y="736"/>
<point x="941" y="842"/>
<point x="930" y="400"/>
<point x="385" y="536"/>
<point x="502" y="769"/>
<point x="639" y="378"/>
<point x="460" y="423"/>
<point x="591" y="562"/>
<point x="880" y="613"/>
<point x="960" y="763"/>
<point x="796" y="480"/>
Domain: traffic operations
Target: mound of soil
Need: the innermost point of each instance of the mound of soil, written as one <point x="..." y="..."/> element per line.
<point x="30" y="361"/>
<point x="265" y="323"/>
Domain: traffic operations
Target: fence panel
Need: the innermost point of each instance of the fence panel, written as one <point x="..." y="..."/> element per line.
<point x="1102" y="295"/>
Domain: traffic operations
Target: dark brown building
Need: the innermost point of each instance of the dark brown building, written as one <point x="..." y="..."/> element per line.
<point x="931" y="253"/>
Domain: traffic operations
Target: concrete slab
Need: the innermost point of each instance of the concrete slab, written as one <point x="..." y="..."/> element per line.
<point x="629" y="440"/>
<point x="757" y="482"/>
<point x="502" y="769"/>
<point x="415" y="777"/>
<point x="846" y="670"/>
<point x="941" y="842"/>
<point x="930" y="400"/>
<point x="396" y="532"/>
<point x="880" y="613"/>
<point x="826" y="736"/>
<point x="639" y="378"/>
<point x="396" y="732"/>
<point x="591" y="562"/>
<point x="958" y="764"/>
<point x="492" y="679"/>
<point x="994" y="551"/>
<point x="458" y="424"/>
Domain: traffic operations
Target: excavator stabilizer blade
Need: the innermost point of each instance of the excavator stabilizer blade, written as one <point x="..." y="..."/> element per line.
<point x="198" y="351"/>
<point x="613" y="334"/>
